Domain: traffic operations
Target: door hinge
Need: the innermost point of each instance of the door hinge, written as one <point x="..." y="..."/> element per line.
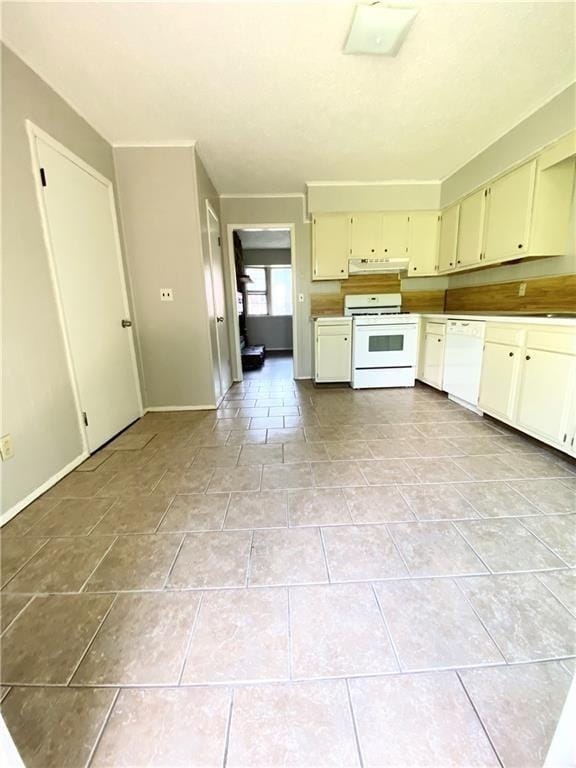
<point x="485" y="193"/>
<point x="85" y="418"/>
<point x="219" y="243"/>
<point x="43" y="177"/>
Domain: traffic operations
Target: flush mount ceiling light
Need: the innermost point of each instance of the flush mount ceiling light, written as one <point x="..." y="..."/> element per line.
<point x="379" y="29"/>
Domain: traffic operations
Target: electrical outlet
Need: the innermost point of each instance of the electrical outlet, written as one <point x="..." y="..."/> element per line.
<point x="6" y="447"/>
<point x="522" y="289"/>
<point x="166" y="294"/>
<point x="300" y="298"/>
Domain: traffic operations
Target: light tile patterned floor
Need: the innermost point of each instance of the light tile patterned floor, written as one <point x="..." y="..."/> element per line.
<point x="305" y="577"/>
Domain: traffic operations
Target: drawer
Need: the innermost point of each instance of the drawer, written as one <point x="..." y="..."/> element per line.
<point x="438" y="329"/>
<point x="512" y="335"/>
<point x="337" y="329"/>
<point x="561" y="340"/>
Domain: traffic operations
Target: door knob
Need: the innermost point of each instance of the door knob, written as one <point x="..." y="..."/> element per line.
<point x="126" y="323"/>
<point x="219" y="319"/>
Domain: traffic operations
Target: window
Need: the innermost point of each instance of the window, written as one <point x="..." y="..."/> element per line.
<point x="270" y="292"/>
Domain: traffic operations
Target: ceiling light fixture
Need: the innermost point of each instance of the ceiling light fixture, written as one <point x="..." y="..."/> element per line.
<point x="379" y="29"/>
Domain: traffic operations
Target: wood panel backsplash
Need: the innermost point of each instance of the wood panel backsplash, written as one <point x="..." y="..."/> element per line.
<point x="543" y="294"/>
<point x="326" y="304"/>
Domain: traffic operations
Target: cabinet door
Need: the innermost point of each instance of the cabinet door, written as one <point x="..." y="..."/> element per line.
<point x="365" y="235"/>
<point x="333" y="357"/>
<point x="433" y="359"/>
<point x="394" y="235"/>
<point x="509" y="214"/>
<point x="499" y="380"/>
<point x="423" y="231"/>
<point x="448" y="238"/>
<point x="471" y="230"/>
<point x="546" y="383"/>
<point x="330" y="246"/>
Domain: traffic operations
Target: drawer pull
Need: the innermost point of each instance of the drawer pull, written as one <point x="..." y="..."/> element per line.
<point x="527" y="357"/>
<point x="510" y="354"/>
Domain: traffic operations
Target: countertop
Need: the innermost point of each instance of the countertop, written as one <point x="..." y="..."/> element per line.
<point x="557" y="319"/>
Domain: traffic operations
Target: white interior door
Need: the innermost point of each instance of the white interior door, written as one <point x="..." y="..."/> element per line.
<point x="223" y="345"/>
<point x="82" y="232"/>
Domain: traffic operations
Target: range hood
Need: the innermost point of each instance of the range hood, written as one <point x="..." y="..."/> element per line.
<point x="377" y="266"/>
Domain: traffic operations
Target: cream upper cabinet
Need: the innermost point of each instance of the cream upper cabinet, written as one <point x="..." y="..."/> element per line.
<point x="330" y="246"/>
<point x="509" y="214"/>
<point x="552" y="208"/>
<point x="471" y="230"/>
<point x="448" y="238"/>
<point x="423" y="234"/>
<point x="365" y="235"/>
<point x="544" y="399"/>
<point x="394" y="235"/>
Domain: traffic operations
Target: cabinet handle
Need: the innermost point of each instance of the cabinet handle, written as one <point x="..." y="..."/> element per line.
<point x="520" y="245"/>
<point x="510" y="354"/>
<point x="345" y="338"/>
<point x="564" y="438"/>
<point x="527" y="357"/>
<point x="440" y="340"/>
<point x="341" y="270"/>
<point x="414" y="268"/>
<point x="372" y="249"/>
<point x="385" y="250"/>
<point x="458" y="262"/>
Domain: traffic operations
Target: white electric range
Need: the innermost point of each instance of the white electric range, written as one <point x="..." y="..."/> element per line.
<point x="384" y="341"/>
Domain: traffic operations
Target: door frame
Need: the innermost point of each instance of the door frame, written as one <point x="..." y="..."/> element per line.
<point x="211" y="212"/>
<point x="34" y="132"/>
<point x="235" y="355"/>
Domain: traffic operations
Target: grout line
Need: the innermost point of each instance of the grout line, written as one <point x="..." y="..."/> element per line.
<point x="98" y="564"/>
<point x="249" y="562"/>
<point x="400" y="553"/>
<point x="228" y="728"/>
<point x="289" y="634"/>
<point x="480" y="619"/>
<point x="32" y="556"/>
<point x="387" y="628"/>
<point x="570" y="610"/>
<point x="354" y="724"/>
<point x="165" y="513"/>
<point x="178" y="550"/>
<point x="548" y="547"/>
<point x="469" y="697"/>
<point x="102" y="729"/>
<point x="489" y="570"/>
<point x="190" y="637"/>
<point x="93" y="638"/>
<point x="322" y="544"/>
<point x="30" y="598"/>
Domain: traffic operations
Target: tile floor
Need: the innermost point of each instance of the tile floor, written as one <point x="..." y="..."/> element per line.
<point x="304" y="577"/>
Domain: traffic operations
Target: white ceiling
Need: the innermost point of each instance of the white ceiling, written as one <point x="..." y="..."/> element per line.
<point x="266" y="91"/>
<point x="268" y="238"/>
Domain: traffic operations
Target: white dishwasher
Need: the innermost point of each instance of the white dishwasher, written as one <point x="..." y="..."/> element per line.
<point x="463" y="361"/>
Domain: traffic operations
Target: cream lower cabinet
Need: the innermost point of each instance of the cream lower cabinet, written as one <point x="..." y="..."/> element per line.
<point x="529" y="380"/>
<point x="432" y="352"/>
<point x="545" y="394"/>
<point x="333" y="346"/>
<point x="500" y="369"/>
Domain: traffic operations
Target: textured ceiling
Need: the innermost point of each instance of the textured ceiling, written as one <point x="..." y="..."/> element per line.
<point x="266" y="91"/>
<point x="268" y="238"/>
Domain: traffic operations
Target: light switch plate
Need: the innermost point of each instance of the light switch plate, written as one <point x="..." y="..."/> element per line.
<point x="522" y="289"/>
<point x="6" y="447"/>
<point x="166" y="294"/>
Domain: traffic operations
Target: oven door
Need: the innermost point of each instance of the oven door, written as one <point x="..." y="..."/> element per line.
<point x="385" y="346"/>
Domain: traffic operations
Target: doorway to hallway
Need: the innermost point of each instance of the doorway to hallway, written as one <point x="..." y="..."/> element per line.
<point x="264" y="286"/>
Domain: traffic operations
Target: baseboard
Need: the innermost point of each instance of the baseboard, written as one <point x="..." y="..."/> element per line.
<point x="19" y="506"/>
<point x="302" y="378"/>
<point x="162" y="408"/>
